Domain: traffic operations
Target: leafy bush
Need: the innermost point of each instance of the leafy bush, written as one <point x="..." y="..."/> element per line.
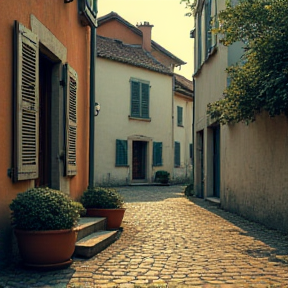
<point x="189" y="190"/>
<point x="99" y="197"/>
<point x="162" y="176"/>
<point x="42" y="209"/>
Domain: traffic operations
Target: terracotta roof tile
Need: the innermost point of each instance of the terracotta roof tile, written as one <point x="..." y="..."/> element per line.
<point x="183" y="85"/>
<point x="130" y="54"/>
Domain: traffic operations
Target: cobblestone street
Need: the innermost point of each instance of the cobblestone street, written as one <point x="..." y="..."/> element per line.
<point x="170" y="240"/>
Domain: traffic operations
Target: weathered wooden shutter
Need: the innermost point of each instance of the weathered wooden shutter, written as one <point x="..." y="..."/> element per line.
<point x="179" y="116"/>
<point x="135" y="99"/>
<point x="71" y="120"/>
<point x="157" y="154"/>
<point x="144" y="100"/>
<point x="26" y="78"/>
<point x="177" y="154"/>
<point x="121" y="152"/>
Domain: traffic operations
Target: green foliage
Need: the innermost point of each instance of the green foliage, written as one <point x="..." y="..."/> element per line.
<point x="189" y="190"/>
<point x="100" y="197"/>
<point x="42" y="209"/>
<point x="162" y="176"/>
<point x="190" y="5"/>
<point x="260" y="81"/>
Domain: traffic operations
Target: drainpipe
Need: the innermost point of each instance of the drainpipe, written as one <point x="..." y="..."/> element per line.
<point x="193" y="136"/>
<point x="92" y="100"/>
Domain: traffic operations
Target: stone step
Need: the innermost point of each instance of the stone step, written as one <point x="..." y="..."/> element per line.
<point x="94" y="243"/>
<point x="89" y="225"/>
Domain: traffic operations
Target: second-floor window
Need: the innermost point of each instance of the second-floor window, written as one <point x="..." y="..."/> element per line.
<point x="179" y="116"/>
<point x="139" y="98"/>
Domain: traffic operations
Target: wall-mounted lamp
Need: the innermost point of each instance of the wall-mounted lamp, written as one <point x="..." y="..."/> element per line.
<point x="97" y="108"/>
<point x="68" y="1"/>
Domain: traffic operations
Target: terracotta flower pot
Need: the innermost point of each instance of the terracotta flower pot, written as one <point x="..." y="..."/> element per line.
<point x="114" y="216"/>
<point x="46" y="248"/>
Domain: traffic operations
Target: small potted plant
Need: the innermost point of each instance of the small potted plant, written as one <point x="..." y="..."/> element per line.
<point x="44" y="223"/>
<point x="162" y="177"/>
<point x="104" y="202"/>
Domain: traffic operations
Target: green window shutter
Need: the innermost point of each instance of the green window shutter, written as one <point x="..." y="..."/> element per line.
<point x="26" y="97"/>
<point x="135" y="99"/>
<point x="179" y="116"/>
<point x="177" y="154"/>
<point x="121" y="153"/>
<point x="199" y="39"/>
<point x="157" y="154"/>
<point x="208" y="26"/>
<point x="71" y="120"/>
<point x="191" y="150"/>
<point x="144" y="100"/>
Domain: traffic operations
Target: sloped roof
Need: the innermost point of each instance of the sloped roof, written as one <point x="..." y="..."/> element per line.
<point x="114" y="16"/>
<point x="130" y="54"/>
<point x="183" y="85"/>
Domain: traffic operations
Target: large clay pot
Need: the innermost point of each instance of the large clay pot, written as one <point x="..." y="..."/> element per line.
<point x="46" y="248"/>
<point x="114" y="216"/>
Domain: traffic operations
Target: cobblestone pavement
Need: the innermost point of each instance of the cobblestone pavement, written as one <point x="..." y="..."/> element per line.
<point x="170" y="241"/>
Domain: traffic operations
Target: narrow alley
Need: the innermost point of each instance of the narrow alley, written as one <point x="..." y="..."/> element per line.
<point x="170" y="241"/>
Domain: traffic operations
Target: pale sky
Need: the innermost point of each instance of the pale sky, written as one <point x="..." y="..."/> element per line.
<point x="171" y="27"/>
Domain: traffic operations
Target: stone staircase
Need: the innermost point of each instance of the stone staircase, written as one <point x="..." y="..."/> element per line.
<point x="93" y="237"/>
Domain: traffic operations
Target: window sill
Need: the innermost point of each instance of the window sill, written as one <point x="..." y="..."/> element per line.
<point x="139" y="119"/>
<point x="122" y="165"/>
<point x="180" y="125"/>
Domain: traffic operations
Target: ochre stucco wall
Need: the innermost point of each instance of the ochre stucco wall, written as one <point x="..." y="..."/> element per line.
<point x="62" y="21"/>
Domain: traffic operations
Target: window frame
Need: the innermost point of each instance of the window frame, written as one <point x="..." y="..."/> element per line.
<point x="138" y="100"/>
<point x="177" y="154"/>
<point x="180" y="116"/>
<point x="157" y="154"/>
<point x="121" y="153"/>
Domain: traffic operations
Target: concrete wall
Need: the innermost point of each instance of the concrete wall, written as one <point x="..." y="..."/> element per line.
<point x="113" y="122"/>
<point x="255" y="172"/>
<point x="61" y="21"/>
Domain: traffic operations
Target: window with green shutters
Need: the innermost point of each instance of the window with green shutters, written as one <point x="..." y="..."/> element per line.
<point x="139" y="98"/>
<point x="177" y="154"/>
<point x="179" y="116"/>
<point x="157" y="154"/>
<point x="121" y="153"/>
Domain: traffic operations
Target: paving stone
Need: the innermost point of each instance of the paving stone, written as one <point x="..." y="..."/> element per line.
<point x="167" y="237"/>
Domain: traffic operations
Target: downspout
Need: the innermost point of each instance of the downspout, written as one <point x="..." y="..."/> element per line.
<point x="92" y="100"/>
<point x="193" y="130"/>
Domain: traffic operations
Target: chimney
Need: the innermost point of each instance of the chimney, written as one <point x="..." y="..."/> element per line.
<point x="146" y="29"/>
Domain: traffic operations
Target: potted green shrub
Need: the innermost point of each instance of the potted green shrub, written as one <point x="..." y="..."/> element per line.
<point x="44" y="223"/>
<point x="162" y="177"/>
<point x="104" y="202"/>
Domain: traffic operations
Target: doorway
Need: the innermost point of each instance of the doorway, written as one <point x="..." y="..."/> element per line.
<point x="216" y="161"/>
<point x="200" y="164"/>
<point x="45" y="88"/>
<point x="139" y="162"/>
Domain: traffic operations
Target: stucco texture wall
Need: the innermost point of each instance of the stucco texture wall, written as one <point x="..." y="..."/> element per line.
<point x="183" y="134"/>
<point x="113" y="92"/>
<point x="62" y="21"/>
<point x="254" y="170"/>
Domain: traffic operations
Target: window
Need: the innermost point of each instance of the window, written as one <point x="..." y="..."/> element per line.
<point x="139" y="99"/>
<point x="177" y="154"/>
<point x="26" y="114"/>
<point x="191" y="152"/>
<point x="157" y="154"/>
<point x="71" y="120"/>
<point x="179" y="116"/>
<point x="121" y="153"/>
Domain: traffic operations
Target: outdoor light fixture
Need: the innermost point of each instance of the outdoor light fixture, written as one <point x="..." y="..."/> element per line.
<point x="97" y="108"/>
<point x="88" y="12"/>
<point x="68" y="1"/>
